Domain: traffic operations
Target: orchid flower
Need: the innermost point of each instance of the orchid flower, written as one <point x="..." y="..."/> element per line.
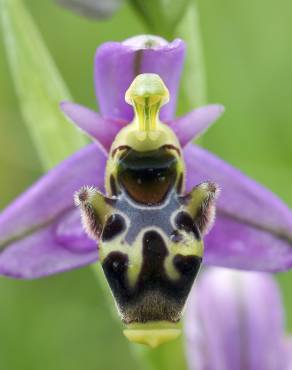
<point x="41" y="233"/>
<point x="235" y="320"/>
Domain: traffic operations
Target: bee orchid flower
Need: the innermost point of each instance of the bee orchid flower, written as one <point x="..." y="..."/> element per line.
<point x="235" y="320"/>
<point x="41" y="233"/>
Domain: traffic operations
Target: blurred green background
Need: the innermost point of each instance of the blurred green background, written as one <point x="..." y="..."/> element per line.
<point x="60" y="322"/>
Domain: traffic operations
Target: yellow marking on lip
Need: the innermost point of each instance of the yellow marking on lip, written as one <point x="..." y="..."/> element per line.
<point x="133" y="252"/>
<point x="189" y="247"/>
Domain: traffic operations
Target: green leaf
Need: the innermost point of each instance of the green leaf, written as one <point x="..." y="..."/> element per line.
<point x="39" y="86"/>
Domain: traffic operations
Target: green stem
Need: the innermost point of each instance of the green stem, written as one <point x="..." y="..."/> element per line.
<point x="193" y="87"/>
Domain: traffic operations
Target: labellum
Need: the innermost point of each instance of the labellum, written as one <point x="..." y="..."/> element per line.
<point x="148" y="230"/>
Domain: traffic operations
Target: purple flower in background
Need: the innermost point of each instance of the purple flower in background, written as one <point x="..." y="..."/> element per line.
<point x="41" y="233"/>
<point x="99" y="9"/>
<point x="234" y="320"/>
<point x="289" y="353"/>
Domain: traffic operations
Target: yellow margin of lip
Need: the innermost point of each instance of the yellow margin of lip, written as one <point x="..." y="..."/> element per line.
<point x="153" y="333"/>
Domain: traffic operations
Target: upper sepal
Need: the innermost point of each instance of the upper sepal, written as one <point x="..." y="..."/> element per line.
<point x="117" y="64"/>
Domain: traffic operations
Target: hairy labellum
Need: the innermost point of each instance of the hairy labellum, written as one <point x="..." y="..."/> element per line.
<point x="149" y="231"/>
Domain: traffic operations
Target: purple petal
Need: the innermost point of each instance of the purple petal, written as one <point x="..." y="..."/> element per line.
<point x="195" y="123"/>
<point x="102" y="130"/>
<point x="117" y="64"/>
<point x="253" y="229"/>
<point x="234" y="320"/>
<point x="40" y="231"/>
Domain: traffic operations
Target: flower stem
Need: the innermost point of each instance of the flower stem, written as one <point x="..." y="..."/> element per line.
<point x="193" y="87"/>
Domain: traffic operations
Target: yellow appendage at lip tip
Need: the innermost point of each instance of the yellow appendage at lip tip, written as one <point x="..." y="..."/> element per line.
<point x="152" y="334"/>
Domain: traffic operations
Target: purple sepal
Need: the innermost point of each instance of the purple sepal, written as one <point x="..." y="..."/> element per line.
<point x="41" y="254"/>
<point x="253" y="228"/>
<point x="41" y="233"/>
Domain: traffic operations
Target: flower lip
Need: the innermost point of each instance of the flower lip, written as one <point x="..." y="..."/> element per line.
<point x="142" y="42"/>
